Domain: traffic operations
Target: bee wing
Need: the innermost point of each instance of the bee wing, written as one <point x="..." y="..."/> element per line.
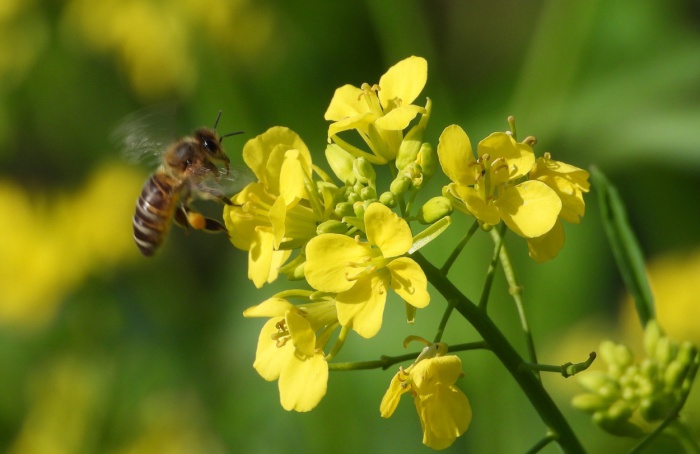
<point x="220" y="182"/>
<point x="144" y="135"/>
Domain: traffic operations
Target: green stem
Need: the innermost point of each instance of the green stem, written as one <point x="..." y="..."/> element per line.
<point x="455" y="253"/>
<point x="550" y="437"/>
<point x="386" y="362"/>
<point x="515" y="290"/>
<point x="491" y="272"/>
<point x="509" y="357"/>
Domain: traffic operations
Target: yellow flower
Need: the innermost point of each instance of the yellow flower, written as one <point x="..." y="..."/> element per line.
<point x="361" y="274"/>
<point x="443" y="409"/>
<point x="569" y="183"/>
<point x="273" y="210"/>
<point x="290" y="351"/>
<point x="379" y="113"/>
<point x="489" y="187"/>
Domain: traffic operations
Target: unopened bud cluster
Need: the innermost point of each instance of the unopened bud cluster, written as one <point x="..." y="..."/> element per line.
<point x="629" y="397"/>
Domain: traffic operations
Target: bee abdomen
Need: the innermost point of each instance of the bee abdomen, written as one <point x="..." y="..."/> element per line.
<point x="154" y="210"/>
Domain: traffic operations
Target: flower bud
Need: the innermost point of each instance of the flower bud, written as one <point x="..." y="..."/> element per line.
<point x="434" y="209"/>
<point x="359" y="209"/>
<point x="294" y="269"/>
<point x="590" y="402"/>
<point x="388" y="199"/>
<point x="341" y="163"/>
<point x="665" y="351"/>
<point x="343" y="209"/>
<point x="412" y="142"/>
<point x="364" y="171"/>
<point x="368" y="193"/>
<point x="655" y="408"/>
<point x="332" y="226"/>
<point x="400" y="185"/>
<point x="619" y="427"/>
<point x="428" y="161"/>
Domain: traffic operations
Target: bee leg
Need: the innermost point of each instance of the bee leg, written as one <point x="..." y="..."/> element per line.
<point x="181" y="219"/>
<point x="225" y="200"/>
<point x="198" y="221"/>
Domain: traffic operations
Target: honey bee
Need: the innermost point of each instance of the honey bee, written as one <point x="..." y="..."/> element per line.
<point x="189" y="170"/>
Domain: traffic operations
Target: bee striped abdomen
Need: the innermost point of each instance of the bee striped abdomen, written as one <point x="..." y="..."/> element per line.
<point x="154" y="210"/>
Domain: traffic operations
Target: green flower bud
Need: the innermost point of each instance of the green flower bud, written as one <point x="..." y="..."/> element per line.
<point x="411" y="144"/>
<point x="388" y="199"/>
<point x="674" y="374"/>
<point x="359" y="209"/>
<point x="344" y="209"/>
<point x="590" y="402"/>
<point x="428" y="161"/>
<point x="655" y="408"/>
<point x="594" y="380"/>
<point x="434" y="209"/>
<point x="620" y="410"/>
<point x="619" y="427"/>
<point x="368" y="193"/>
<point x="400" y="185"/>
<point x="341" y="163"/>
<point x="332" y="226"/>
<point x="665" y="351"/>
<point x="354" y="197"/>
<point x="623" y="356"/>
<point x="364" y="171"/>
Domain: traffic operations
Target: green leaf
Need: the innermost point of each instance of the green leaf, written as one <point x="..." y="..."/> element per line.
<point x="628" y="255"/>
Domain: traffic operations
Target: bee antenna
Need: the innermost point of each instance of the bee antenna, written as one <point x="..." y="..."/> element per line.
<point x="218" y="117"/>
<point x="230" y="134"/>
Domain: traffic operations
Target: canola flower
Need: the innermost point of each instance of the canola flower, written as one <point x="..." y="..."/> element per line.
<point x="354" y="242"/>
<point x="443" y="409"/>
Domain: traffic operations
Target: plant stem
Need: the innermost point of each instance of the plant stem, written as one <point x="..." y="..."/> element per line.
<point x="455" y="253"/>
<point x="483" y="301"/>
<point x="515" y="290"/>
<point x="531" y="386"/>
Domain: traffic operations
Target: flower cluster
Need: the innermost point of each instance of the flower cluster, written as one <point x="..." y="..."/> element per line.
<point x="505" y="182"/>
<point x="351" y="240"/>
<point x="630" y="397"/>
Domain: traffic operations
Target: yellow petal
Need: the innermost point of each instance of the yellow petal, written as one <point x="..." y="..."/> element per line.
<point x="529" y="209"/>
<point x="303" y="337"/>
<point x="292" y="177"/>
<point x="240" y="222"/>
<point x="362" y="307"/>
<point x="456" y="156"/>
<point x="519" y="156"/>
<point x="409" y="281"/>
<point x="303" y="383"/>
<point x="347" y="101"/>
<point x="444" y="416"/>
<point x="547" y="246"/>
<point x="360" y="122"/>
<point x="399" y="118"/>
<point x="263" y="261"/>
<point x="438" y="371"/>
<point x="405" y="80"/>
<point x="486" y="213"/>
<point x="271" y="307"/>
<point x="331" y="259"/>
<point x="392" y="396"/>
<point x="265" y="154"/>
<point x="269" y="358"/>
<point x="573" y="205"/>
<point x="385" y="229"/>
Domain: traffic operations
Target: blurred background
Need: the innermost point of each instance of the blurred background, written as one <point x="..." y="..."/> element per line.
<point x="104" y="351"/>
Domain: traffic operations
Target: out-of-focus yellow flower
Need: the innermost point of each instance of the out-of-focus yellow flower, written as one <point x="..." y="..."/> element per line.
<point x="379" y="113"/>
<point x="290" y="351"/>
<point x="172" y="422"/>
<point x="269" y="212"/>
<point x="361" y="274"/>
<point x="50" y="247"/>
<point x="443" y="409"/>
<point x="65" y="400"/>
<point x="489" y="187"/>
<point x="674" y="281"/>
<point x="153" y="40"/>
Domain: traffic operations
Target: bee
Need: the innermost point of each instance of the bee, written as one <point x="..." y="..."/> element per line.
<point x="190" y="169"/>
